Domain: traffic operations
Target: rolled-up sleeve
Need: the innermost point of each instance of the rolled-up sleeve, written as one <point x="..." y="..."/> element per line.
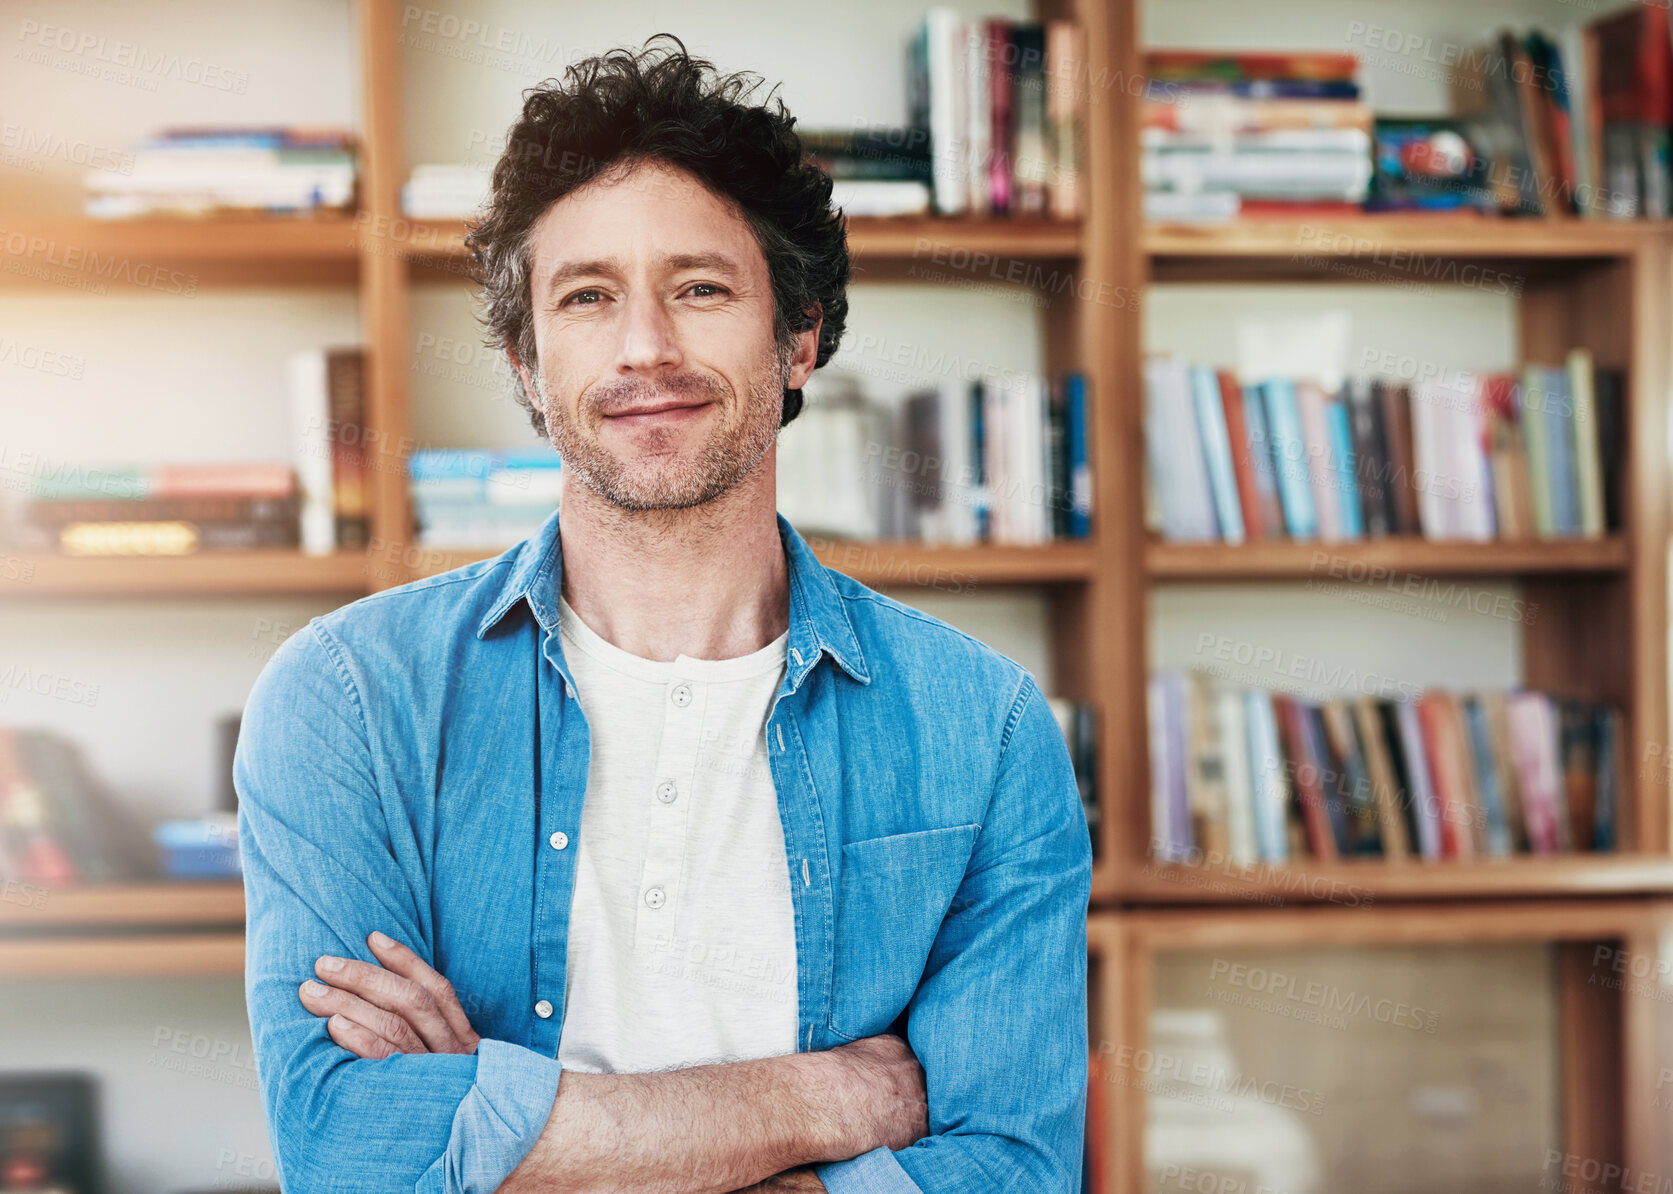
<point x="320" y="874"/>
<point x="998" y="1021"/>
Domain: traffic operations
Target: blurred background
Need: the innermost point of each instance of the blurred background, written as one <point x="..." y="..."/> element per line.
<point x="1284" y="385"/>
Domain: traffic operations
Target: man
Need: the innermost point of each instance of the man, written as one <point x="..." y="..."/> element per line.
<point x="619" y="862"/>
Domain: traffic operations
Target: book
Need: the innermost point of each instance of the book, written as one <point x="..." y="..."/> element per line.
<point x="1217" y="452"/>
<point x="1290" y="458"/>
<point x="307" y="375"/>
<point x="1261" y="463"/>
<point x="1588" y="459"/>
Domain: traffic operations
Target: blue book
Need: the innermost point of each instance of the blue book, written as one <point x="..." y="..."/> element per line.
<point x="1607" y="728"/>
<point x="979" y="461"/>
<point x="1342" y="458"/>
<point x="1289" y="458"/>
<point x="1487" y="777"/>
<point x="1266" y="773"/>
<point x="1558" y="408"/>
<point x="1217" y="451"/>
<point x="1080" y="456"/>
<point x="1260" y="458"/>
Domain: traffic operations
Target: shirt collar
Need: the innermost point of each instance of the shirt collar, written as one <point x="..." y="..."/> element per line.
<point x="819" y="621"/>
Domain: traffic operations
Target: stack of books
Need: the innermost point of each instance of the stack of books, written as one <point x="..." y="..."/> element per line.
<point x="469" y="500"/>
<point x="1461" y="456"/>
<point x="1253" y="133"/>
<point x="1576" y="123"/>
<point x="875" y="172"/>
<point x="1079" y="723"/>
<point x="207" y="171"/>
<point x="1003" y="107"/>
<point x="1004" y="461"/>
<point x="58" y="826"/>
<point x="445" y="192"/>
<point x="1251" y="776"/>
<point x="160" y="509"/>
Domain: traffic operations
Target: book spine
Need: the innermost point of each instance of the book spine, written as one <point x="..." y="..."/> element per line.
<point x="1217" y="453"/>
<point x="311" y="423"/>
<point x="1080" y="457"/>
<point x="350" y="468"/>
<point x="1289" y="458"/>
<point x="944" y="41"/>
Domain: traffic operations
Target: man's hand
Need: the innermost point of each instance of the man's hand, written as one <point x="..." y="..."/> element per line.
<point x="402" y="1006"/>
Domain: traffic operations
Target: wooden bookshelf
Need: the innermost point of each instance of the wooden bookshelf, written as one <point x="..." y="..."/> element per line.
<point x="900" y="564"/>
<point x="1363" y="559"/>
<point x="127" y="930"/>
<point x="129" y="255"/>
<point x="204" y="574"/>
<point x="926" y="239"/>
<point x="1434" y="235"/>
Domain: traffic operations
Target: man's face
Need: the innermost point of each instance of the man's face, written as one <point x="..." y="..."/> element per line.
<point x="658" y="372"/>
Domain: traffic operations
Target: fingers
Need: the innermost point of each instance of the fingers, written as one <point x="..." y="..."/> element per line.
<point x="385" y="1028"/>
<point x="392" y="993"/>
<point x="404" y="962"/>
<point x="359" y="1040"/>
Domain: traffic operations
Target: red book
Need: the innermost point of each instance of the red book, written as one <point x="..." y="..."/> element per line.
<point x="257" y="479"/>
<point x="1442" y="733"/>
<point x="1096" y="1112"/>
<point x="1308" y="772"/>
<point x="1218" y="64"/>
<point x="1001" y="76"/>
<point x="1243" y="467"/>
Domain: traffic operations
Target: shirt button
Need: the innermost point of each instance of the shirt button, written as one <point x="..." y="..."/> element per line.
<point x="559" y="840"/>
<point x="667" y="791"/>
<point x="680" y="694"/>
<point x="654" y="898"/>
<point x="543" y="1009"/>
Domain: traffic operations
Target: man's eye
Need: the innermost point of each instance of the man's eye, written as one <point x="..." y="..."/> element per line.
<point x="583" y="298"/>
<point x="704" y="290"/>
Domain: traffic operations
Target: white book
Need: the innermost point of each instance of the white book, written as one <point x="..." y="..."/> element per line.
<point x="944" y="43"/>
<point x="310" y="405"/>
<point x="978" y="98"/>
<point x="1268" y="783"/>
<point x="1173" y="449"/>
<point x="1240" y="791"/>
<point x="1588" y="458"/>
<point x="958" y="464"/>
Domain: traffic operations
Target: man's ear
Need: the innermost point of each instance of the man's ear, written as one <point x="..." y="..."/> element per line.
<point x="525" y="379"/>
<point x="806" y="356"/>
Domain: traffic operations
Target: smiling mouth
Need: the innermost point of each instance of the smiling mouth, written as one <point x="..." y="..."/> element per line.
<point x="652" y="416"/>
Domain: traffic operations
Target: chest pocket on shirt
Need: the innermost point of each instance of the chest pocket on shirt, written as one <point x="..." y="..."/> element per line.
<point x="893" y="894"/>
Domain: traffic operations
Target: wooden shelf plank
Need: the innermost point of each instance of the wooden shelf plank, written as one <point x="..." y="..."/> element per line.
<point x="148" y="905"/>
<point x="1351" y="562"/>
<point x="176" y="256"/>
<point x="944" y="243"/>
<point x="204" y="574"/>
<point x="1440" y="236"/>
<point x="1373" y="881"/>
<point x="178" y="956"/>
<point x="954" y="569"/>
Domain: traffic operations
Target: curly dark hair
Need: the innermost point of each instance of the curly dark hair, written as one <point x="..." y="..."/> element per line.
<point x="660" y="104"/>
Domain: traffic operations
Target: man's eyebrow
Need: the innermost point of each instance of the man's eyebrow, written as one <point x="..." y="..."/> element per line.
<point x="610" y="267"/>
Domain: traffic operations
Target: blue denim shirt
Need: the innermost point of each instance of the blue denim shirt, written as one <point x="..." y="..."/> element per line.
<point x="416" y="762"/>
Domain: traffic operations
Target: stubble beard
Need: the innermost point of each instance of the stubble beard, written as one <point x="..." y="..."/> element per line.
<point x="733" y="449"/>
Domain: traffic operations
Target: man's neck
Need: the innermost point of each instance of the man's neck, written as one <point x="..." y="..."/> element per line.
<point x="709" y="582"/>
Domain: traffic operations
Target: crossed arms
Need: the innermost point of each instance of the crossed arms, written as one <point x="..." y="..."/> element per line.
<point x="692" y="1131"/>
<point x="997" y="1021"/>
